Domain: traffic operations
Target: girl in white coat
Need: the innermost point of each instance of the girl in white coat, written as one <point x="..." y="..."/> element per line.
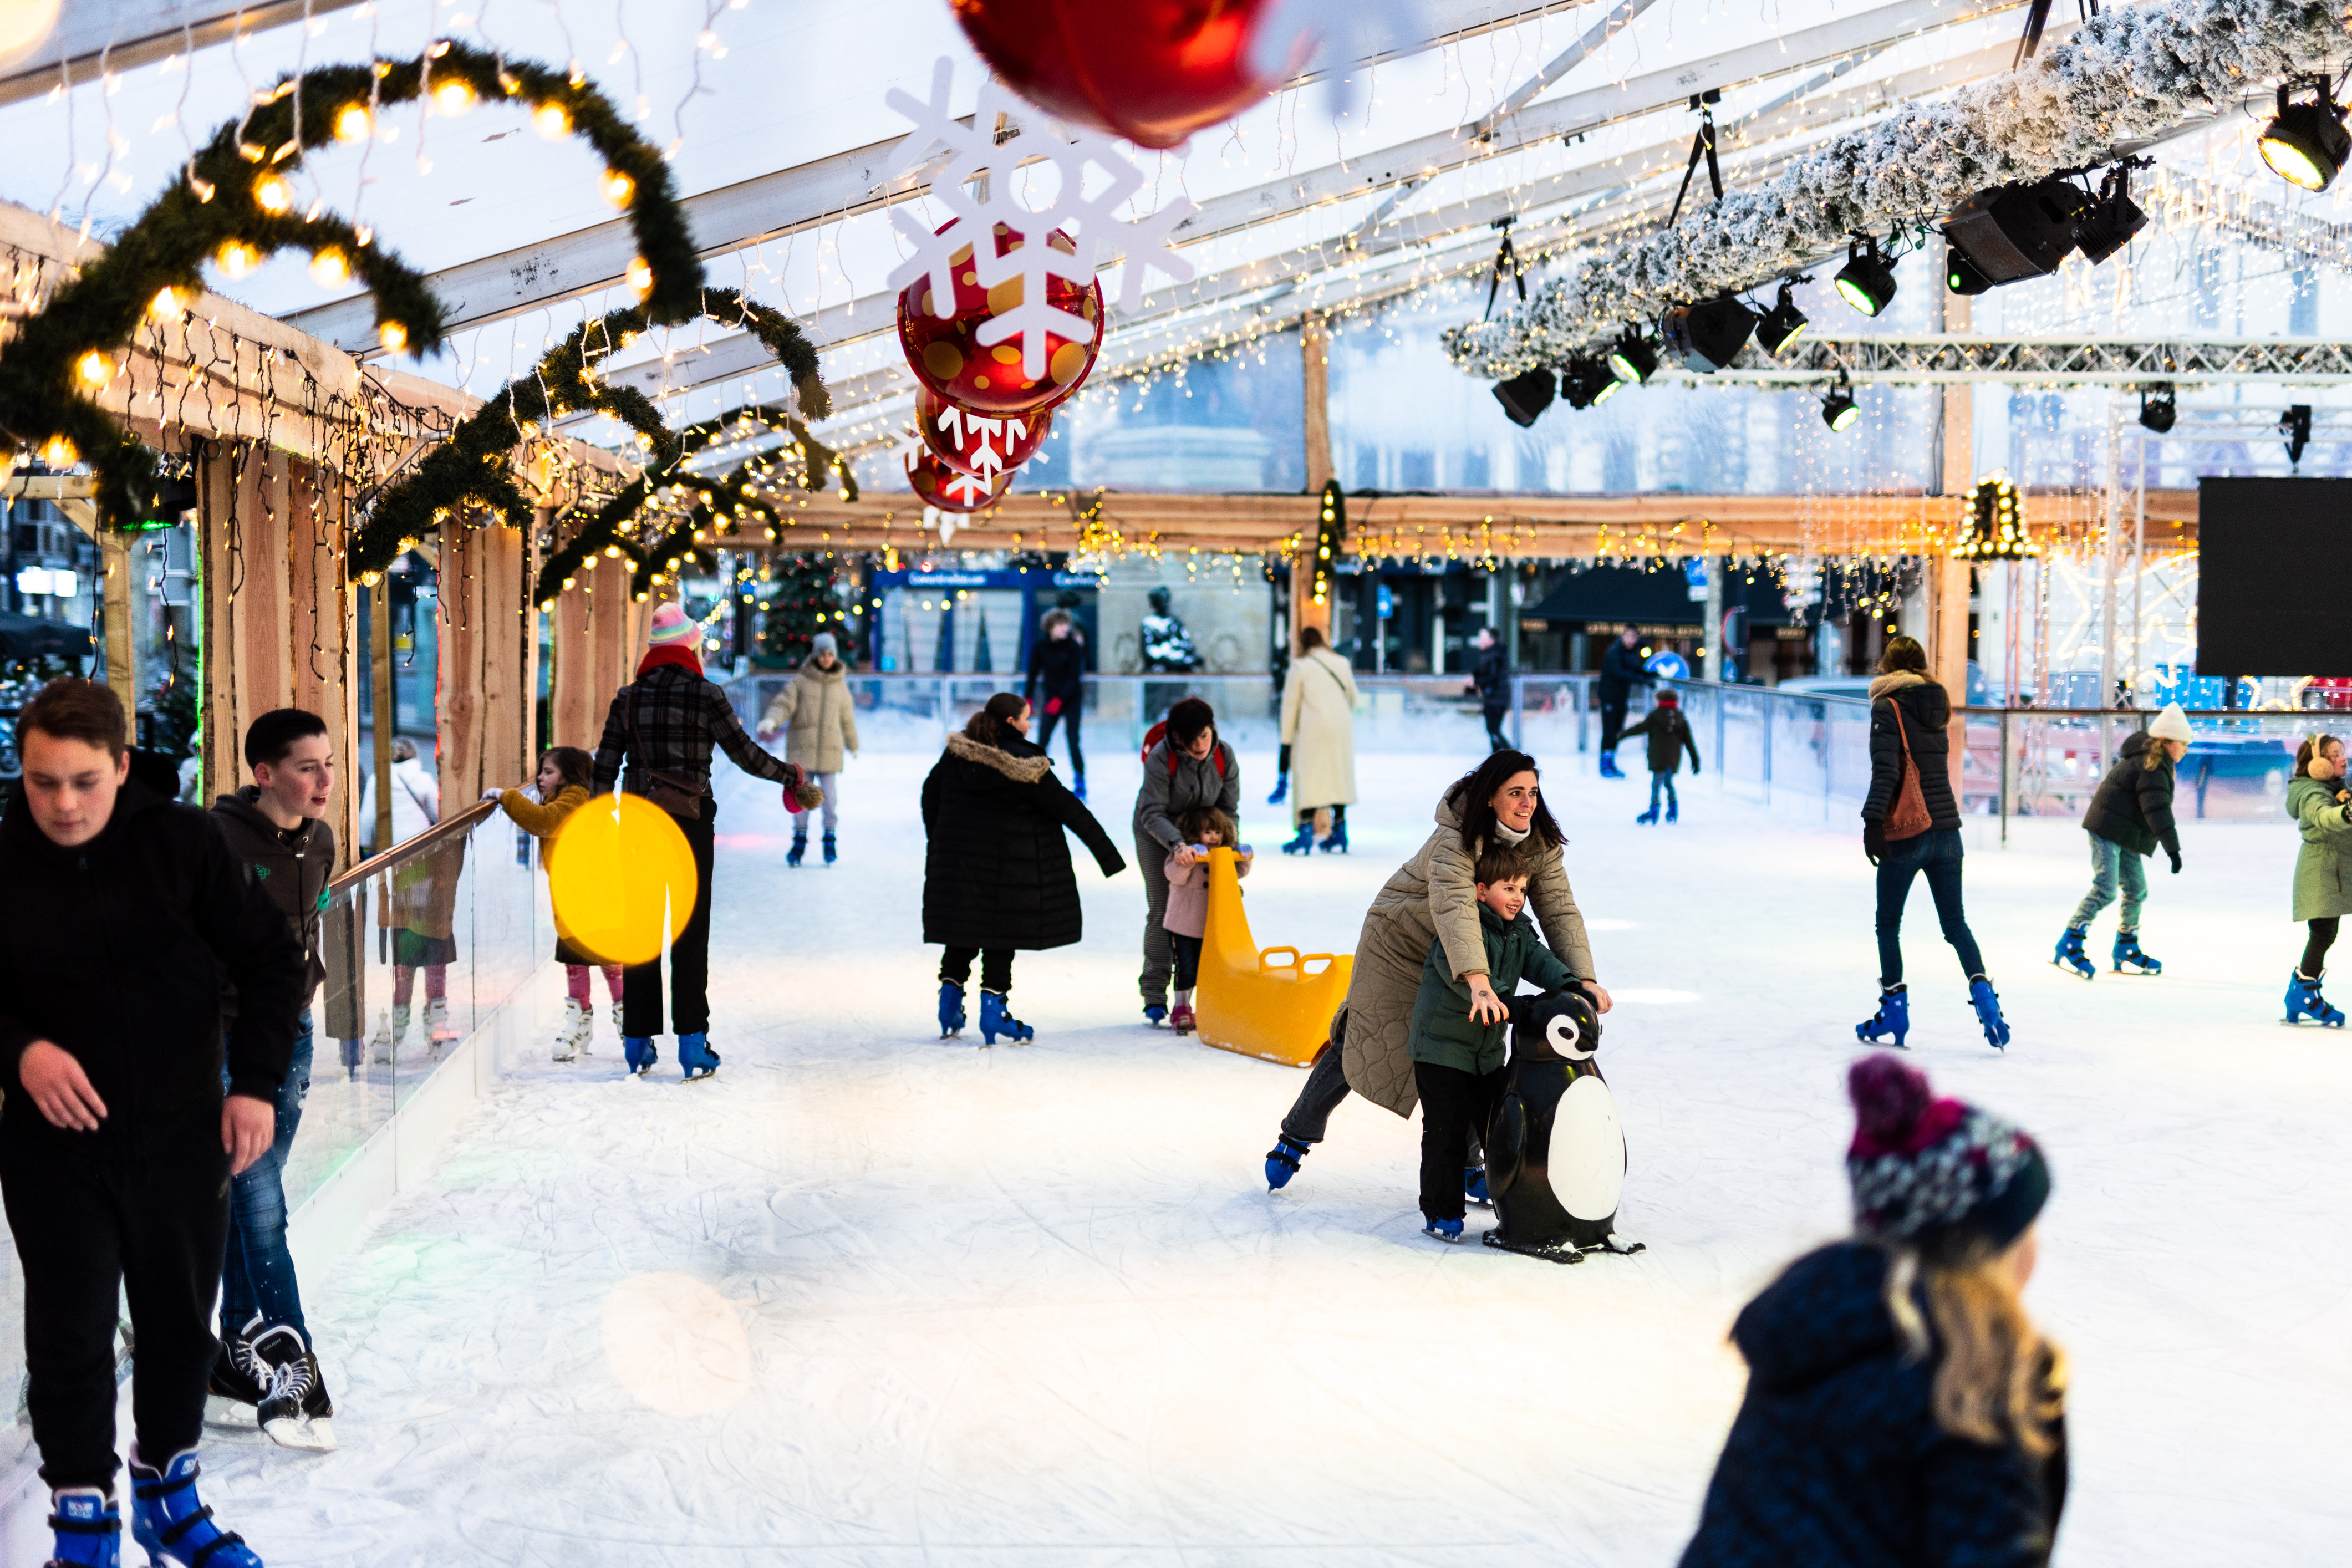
<point x="1319" y="733"/>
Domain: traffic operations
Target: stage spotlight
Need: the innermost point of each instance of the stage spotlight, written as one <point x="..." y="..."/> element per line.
<point x="1708" y="335"/>
<point x="1839" y="409"/>
<point x="2307" y="145"/>
<point x="1527" y="394"/>
<point x="2295" y="426"/>
<point x="1865" y="281"/>
<point x="2108" y="223"/>
<point x="1587" y="383"/>
<point x="1961" y="274"/>
<point x="1635" y="361"/>
<point x="2010" y="233"/>
<point x="2158" y="409"/>
<point x="1782" y="324"/>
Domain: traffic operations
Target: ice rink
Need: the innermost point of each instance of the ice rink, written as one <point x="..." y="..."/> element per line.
<point x="871" y="1297"/>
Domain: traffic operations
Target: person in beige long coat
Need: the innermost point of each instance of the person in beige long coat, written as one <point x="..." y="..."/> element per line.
<point x="1318" y="741"/>
<point x="1432" y="897"/>
<point x="821" y="713"/>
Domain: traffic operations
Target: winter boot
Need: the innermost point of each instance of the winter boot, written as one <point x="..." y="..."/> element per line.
<point x="1338" y="839"/>
<point x="1180" y="1018"/>
<point x="568" y="1033"/>
<point x="2303" y="1001"/>
<point x="1988" y="1006"/>
<point x="88" y="1529"/>
<point x="996" y="1019"/>
<point x="799" y="849"/>
<point x="391" y="1034"/>
<point x="437" y="1027"/>
<point x="2127" y="952"/>
<point x="695" y="1055"/>
<point x="951" y="1019"/>
<point x="831" y="854"/>
<point x="638" y="1051"/>
<point x="1304" y="842"/>
<point x="1444" y="1229"/>
<point x="286" y="1406"/>
<point x="587" y="1027"/>
<point x="1281" y="1161"/>
<point x="171" y="1522"/>
<point x="1649" y="817"/>
<point x="1893" y="1017"/>
<point x="2070" y="955"/>
<point x="1473" y="1186"/>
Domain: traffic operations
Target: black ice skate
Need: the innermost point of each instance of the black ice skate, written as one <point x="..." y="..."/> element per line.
<point x="294" y="1410"/>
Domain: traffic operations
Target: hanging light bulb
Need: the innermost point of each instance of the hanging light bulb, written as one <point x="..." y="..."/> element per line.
<point x="60" y="453"/>
<point x="330" y="268"/>
<point x="454" y="97"/>
<point x="394" y="337"/>
<point x="618" y="188"/>
<point x="551" y="120"/>
<point x="96" y="368"/>
<point x="271" y="194"/>
<point x="352" y="123"/>
<point x="641" y="276"/>
<point x="165" y="305"/>
<point x="237" y="257"/>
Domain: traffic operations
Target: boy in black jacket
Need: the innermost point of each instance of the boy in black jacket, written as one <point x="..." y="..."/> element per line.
<point x="276" y="826"/>
<point x="1670" y="736"/>
<point x="126" y="913"/>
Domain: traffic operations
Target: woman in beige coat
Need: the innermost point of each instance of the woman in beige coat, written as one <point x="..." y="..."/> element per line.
<point x="822" y="715"/>
<point x="1319" y="731"/>
<point x="1433" y="897"/>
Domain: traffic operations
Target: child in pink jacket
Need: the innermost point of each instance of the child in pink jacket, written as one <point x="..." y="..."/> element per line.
<point x="1204" y="828"/>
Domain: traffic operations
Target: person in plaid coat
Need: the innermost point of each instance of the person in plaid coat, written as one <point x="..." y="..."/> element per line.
<point x="664" y="725"/>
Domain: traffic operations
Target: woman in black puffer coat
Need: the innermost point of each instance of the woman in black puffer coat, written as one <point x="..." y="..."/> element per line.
<point x="996" y="875"/>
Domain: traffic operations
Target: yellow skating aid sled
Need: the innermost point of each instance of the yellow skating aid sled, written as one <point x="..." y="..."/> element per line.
<point x="1277" y="1003"/>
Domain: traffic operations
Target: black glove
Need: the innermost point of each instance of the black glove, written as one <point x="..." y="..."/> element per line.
<point x="1694" y="767"/>
<point x="1873" y="840"/>
<point x="2176" y="860"/>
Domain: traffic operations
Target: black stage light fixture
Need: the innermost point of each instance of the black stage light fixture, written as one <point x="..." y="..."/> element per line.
<point x="1961" y="274"/>
<point x="2295" y="426"/>
<point x="1633" y="360"/>
<point x="2108" y="223"/>
<point x="1782" y="324"/>
<point x="2307" y="145"/>
<point x="1587" y="383"/>
<point x="1839" y="409"/>
<point x="1708" y="336"/>
<point x="2157" y="407"/>
<point x="2010" y="233"/>
<point x="1527" y="394"/>
<point x="1866" y="281"/>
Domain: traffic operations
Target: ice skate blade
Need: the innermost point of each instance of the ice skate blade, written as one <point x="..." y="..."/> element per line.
<point x="699" y="1076"/>
<point x="310" y="1437"/>
<point x="230" y="1415"/>
<point x="2070" y="969"/>
<point x="1561" y="1253"/>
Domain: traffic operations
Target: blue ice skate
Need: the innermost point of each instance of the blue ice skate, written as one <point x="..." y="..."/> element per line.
<point x="996" y="1019"/>
<point x="1338" y="839"/>
<point x="2303" y="1001"/>
<point x="951" y="1018"/>
<point x="1674" y="808"/>
<point x="2070" y="955"/>
<point x="1988" y="1006"/>
<point x="695" y="1055"/>
<point x="1155" y="1014"/>
<point x="1444" y="1229"/>
<point x="1893" y="1017"/>
<point x="1304" y="842"/>
<point x="1649" y="817"/>
<point x="831" y="854"/>
<point x="1281" y="1161"/>
<point x="800" y="848"/>
<point x="88" y="1529"/>
<point x="1473" y="1186"/>
<point x="1281" y="790"/>
<point x="1078" y="786"/>
<point x="1609" y="766"/>
<point x="172" y="1524"/>
<point x="2127" y="952"/>
<point x="638" y="1051"/>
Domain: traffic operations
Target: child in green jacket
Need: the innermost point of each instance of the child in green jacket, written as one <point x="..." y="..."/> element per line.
<point x="1457" y="1053"/>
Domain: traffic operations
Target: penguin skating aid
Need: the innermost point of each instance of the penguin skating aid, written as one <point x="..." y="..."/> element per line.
<point x="1554" y="1153"/>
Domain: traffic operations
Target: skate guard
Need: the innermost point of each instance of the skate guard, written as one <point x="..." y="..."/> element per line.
<point x="1249" y="1003"/>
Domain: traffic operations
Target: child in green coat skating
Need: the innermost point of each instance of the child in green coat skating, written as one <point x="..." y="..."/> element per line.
<point x="2322" y="808"/>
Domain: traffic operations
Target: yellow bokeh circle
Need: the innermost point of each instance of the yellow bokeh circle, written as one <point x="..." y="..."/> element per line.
<point x="621" y="877"/>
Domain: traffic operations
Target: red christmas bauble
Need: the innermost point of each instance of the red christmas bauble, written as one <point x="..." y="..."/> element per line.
<point x="983" y="444"/>
<point x="1153" y="71"/>
<point x="946" y="355"/>
<point x="948" y="490"/>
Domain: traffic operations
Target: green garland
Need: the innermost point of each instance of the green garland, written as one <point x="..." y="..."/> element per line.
<point x="71" y="346"/>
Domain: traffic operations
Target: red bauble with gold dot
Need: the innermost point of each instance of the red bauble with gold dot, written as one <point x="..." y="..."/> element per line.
<point x="946" y="355"/>
<point x="980" y="451"/>
<point x="948" y="490"/>
<point x="1153" y="71"/>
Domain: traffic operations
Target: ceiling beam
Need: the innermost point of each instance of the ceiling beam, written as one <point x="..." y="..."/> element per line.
<point x="122" y="34"/>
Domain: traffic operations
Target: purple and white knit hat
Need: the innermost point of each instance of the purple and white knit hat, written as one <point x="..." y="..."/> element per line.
<point x="671" y="627"/>
<point x="1919" y="1164"/>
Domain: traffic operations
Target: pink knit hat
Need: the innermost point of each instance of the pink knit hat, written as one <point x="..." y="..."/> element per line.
<point x="672" y="628"/>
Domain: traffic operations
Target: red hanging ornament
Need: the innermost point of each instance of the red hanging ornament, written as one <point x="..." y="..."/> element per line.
<point x="982" y="445"/>
<point x="946" y="355"/>
<point x="1153" y="71"/>
<point x="942" y="487"/>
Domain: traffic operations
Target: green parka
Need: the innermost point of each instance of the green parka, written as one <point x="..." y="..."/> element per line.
<point x="2323" y="880"/>
<point x="1442" y="1031"/>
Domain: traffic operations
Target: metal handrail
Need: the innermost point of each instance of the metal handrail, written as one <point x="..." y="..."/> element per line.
<point x="448" y="827"/>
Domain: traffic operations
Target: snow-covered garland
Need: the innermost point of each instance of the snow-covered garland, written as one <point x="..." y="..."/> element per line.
<point x="2127" y="73"/>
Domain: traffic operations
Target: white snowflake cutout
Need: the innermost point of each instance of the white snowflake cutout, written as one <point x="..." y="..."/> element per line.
<point x="961" y="426"/>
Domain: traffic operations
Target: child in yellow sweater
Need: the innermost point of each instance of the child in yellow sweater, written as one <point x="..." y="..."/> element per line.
<point x="565" y="775"/>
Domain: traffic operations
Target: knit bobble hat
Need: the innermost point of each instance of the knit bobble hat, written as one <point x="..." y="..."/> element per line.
<point x="671" y="629"/>
<point x="822" y="644"/>
<point x="2172" y="724"/>
<point x="1919" y="1164"/>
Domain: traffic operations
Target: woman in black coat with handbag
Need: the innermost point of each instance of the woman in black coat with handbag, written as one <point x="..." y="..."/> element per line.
<point x="996" y="874"/>
<point x="1910" y="825"/>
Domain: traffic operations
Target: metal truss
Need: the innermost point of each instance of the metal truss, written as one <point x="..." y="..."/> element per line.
<point x="1942" y="358"/>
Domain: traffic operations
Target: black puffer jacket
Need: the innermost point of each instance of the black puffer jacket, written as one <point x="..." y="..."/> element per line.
<point x="997" y="870"/>
<point x="1925" y="711"/>
<point x="2133" y="806"/>
<point x="1836" y="1459"/>
<point x="1621" y="667"/>
<point x="1059" y="664"/>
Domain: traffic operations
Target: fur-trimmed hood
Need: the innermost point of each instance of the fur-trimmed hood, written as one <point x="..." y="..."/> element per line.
<point x="1020" y="770"/>
<point x="1894" y="680"/>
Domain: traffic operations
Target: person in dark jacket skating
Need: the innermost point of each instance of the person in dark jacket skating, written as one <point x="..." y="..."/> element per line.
<point x="1669" y="733"/>
<point x="126" y="915"/>
<point x="1490" y="677"/>
<point x="1902" y="1411"/>
<point x="1058" y="663"/>
<point x="1189" y="767"/>
<point x="277" y="825"/>
<point x="996" y="869"/>
<point x="1621" y="669"/>
<point x="1909" y="718"/>
<point x="2131" y="817"/>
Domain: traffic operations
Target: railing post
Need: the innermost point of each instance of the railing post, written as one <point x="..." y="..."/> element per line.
<point x="2004" y="777"/>
<point x="1518" y="702"/>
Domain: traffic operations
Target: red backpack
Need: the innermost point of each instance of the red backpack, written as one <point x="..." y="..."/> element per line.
<point x="1158" y="733"/>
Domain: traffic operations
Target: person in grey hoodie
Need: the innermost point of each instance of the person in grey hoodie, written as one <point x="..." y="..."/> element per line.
<point x="1188" y="767"/>
<point x="277" y="825"/>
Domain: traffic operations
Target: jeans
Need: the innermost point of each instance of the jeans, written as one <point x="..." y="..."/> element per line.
<point x="1455" y="1106"/>
<point x="1664" y="780"/>
<point x="1325" y="1087"/>
<point x="1937" y="853"/>
<point x="831" y="784"/>
<point x="995" y="967"/>
<point x="256" y="1270"/>
<point x="2112" y="863"/>
<point x="1072" y="708"/>
<point x="689" y="952"/>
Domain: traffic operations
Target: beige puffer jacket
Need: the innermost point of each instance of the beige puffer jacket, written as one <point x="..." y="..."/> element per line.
<point x="1433" y="896"/>
<point x="821" y="713"/>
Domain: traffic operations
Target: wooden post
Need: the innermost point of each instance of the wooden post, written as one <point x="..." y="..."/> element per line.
<point x="245" y="542"/>
<point x="122" y="652"/>
<point x="322" y="635"/>
<point x="387" y="715"/>
<point x="579" y="718"/>
<point x="465" y="704"/>
<point x="505" y="751"/>
<point x="1315" y="353"/>
<point x="1948" y="608"/>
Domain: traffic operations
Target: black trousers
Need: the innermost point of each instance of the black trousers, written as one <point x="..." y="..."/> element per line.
<point x="995" y="967"/>
<point x="1073" y="709"/>
<point x="153" y="1229"/>
<point x="1325" y="1087"/>
<point x="689" y="954"/>
<point x="1455" y="1106"/>
<point x="1613" y="724"/>
<point x="1188" y="959"/>
<point x="1497" y="740"/>
<point x="2315" y="949"/>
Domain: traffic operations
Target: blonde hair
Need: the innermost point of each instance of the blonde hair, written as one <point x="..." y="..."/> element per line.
<point x="2155" y="756"/>
<point x="1998" y="1381"/>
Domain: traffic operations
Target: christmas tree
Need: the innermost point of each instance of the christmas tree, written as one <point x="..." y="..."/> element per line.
<point x="803" y="603"/>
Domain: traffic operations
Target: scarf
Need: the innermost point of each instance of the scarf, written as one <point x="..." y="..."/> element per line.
<point x="673" y="653"/>
<point x="1509" y="835"/>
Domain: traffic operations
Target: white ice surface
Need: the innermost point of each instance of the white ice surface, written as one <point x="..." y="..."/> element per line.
<point x="868" y="1297"/>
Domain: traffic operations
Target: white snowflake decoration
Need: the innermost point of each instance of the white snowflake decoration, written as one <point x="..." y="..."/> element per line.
<point x="1334" y="36"/>
<point x="1096" y="233"/>
<point x="996" y="435"/>
<point x="956" y="486"/>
